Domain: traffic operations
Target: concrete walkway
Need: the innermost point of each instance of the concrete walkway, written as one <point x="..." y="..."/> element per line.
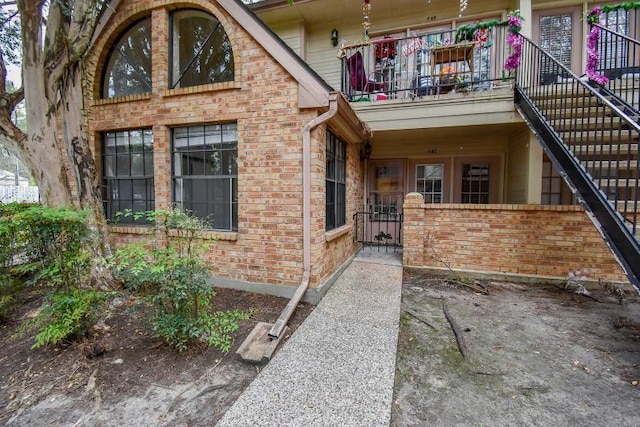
<point x="338" y="367"/>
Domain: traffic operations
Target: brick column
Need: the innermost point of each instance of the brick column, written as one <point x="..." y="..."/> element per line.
<point x="160" y="50"/>
<point x="413" y="230"/>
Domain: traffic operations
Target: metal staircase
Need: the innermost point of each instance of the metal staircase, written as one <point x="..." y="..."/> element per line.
<point x="592" y="140"/>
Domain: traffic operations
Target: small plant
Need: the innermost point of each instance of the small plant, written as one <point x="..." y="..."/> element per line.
<point x="172" y="280"/>
<point x="454" y="276"/>
<point x="67" y="314"/>
<point x="613" y="289"/>
<point x="575" y="281"/>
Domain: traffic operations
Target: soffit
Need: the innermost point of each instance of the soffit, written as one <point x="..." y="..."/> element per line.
<point x="334" y="12"/>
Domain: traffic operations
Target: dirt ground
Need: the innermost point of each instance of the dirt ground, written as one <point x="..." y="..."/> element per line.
<point x="537" y="355"/>
<point x="134" y="379"/>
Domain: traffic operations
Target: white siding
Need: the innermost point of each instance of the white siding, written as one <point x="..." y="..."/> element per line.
<point x="290" y="34"/>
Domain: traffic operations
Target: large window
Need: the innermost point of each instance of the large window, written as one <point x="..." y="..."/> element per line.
<point x="205" y="173"/>
<point x="127" y="173"/>
<point x="128" y="69"/>
<point x="429" y="182"/>
<point x="201" y="52"/>
<point x="336" y="204"/>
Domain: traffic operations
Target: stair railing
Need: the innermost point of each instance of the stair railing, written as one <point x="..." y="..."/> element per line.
<point x="618" y="61"/>
<point x="592" y="142"/>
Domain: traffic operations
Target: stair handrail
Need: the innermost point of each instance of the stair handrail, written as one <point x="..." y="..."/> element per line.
<point x="591" y="89"/>
<point x="624" y="36"/>
<point x="608" y="221"/>
<point x="609" y="86"/>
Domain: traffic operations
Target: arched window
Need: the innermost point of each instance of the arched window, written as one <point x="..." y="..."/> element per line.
<point x="128" y="69"/>
<point x="200" y="50"/>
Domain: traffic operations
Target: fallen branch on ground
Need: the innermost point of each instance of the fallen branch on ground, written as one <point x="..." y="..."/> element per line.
<point x="418" y="318"/>
<point x="469" y="283"/>
<point x="456" y="330"/>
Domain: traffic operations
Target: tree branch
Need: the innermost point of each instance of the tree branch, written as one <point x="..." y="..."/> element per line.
<point x="83" y="25"/>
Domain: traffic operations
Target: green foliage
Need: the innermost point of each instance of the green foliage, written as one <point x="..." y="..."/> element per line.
<point x="10" y="46"/>
<point x="51" y="243"/>
<point x="172" y="279"/>
<point x="9" y="288"/>
<point x="51" y="246"/>
<point x="66" y="315"/>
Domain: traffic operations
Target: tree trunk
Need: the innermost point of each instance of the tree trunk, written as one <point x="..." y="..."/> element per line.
<point x="56" y="147"/>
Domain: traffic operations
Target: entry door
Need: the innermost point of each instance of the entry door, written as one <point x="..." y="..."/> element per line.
<point x="384" y="201"/>
<point x="559" y="33"/>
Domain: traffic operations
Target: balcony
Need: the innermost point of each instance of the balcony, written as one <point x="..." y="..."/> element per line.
<point x="425" y="65"/>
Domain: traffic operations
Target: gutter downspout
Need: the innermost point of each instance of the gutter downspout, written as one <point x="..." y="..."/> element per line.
<point x="281" y="323"/>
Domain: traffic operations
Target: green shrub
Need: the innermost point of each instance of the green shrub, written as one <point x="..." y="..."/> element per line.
<point x="9" y="289"/>
<point x="172" y="280"/>
<point x="66" y="315"/>
<point x="52" y="247"/>
<point x="11" y="242"/>
<point x="50" y="242"/>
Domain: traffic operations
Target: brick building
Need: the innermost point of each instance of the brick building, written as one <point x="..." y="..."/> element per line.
<point x="199" y="105"/>
<point x="230" y="124"/>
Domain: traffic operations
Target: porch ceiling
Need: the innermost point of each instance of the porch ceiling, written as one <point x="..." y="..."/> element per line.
<point x="447" y="133"/>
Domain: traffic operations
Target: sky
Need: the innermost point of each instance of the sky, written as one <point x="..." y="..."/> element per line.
<point x="13" y="74"/>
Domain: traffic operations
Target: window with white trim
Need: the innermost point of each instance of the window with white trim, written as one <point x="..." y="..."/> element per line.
<point x="205" y="173"/>
<point x="429" y="182"/>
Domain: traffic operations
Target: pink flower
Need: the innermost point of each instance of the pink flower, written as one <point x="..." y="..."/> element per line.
<point x="514" y="40"/>
<point x="593" y="56"/>
<point x="593" y="17"/>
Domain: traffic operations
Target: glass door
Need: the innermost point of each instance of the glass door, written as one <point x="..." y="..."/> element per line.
<point x="559" y="33"/>
<point x="384" y="202"/>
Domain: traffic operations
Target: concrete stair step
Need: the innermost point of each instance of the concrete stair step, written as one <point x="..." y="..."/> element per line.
<point x="616" y="182"/>
<point x="605" y="150"/>
<point x="599" y="137"/>
<point x="620" y="165"/>
<point x="589" y="124"/>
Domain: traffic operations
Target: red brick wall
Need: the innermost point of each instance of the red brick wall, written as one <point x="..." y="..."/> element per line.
<point x="521" y="239"/>
<point x="333" y="252"/>
<point x="263" y="100"/>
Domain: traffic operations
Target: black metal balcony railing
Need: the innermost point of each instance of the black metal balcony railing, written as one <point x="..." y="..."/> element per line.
<point x="426" y="64"/>
<point x="592" y="142"/>
<point x="619" y="61"/>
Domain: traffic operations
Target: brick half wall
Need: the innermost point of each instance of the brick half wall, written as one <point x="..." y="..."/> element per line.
<point x="513" y="239"/>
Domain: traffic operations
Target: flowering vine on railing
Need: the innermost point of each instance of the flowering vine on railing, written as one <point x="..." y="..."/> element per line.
<point x="593" y="55"/>
<point x="513" y="39"/>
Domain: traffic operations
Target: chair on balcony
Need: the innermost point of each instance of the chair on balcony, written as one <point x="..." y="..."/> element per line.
<point x="359" y="81"/>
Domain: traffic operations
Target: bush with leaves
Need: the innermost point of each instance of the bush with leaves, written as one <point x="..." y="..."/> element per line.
<point x="172" y="280"/>
<point x="67" y="314"/>
<point x="53" y="246"/>
<point x="10" y="286"/>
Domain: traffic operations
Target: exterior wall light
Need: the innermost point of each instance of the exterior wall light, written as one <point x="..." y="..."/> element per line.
<point x="334" y="37"/>
<point x="365" y="152"/>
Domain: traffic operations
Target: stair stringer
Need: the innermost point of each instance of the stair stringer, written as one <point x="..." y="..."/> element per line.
<point x="609" y="223"/>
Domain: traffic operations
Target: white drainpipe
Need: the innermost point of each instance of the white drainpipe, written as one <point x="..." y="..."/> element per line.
<point x="280" y="324"/>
